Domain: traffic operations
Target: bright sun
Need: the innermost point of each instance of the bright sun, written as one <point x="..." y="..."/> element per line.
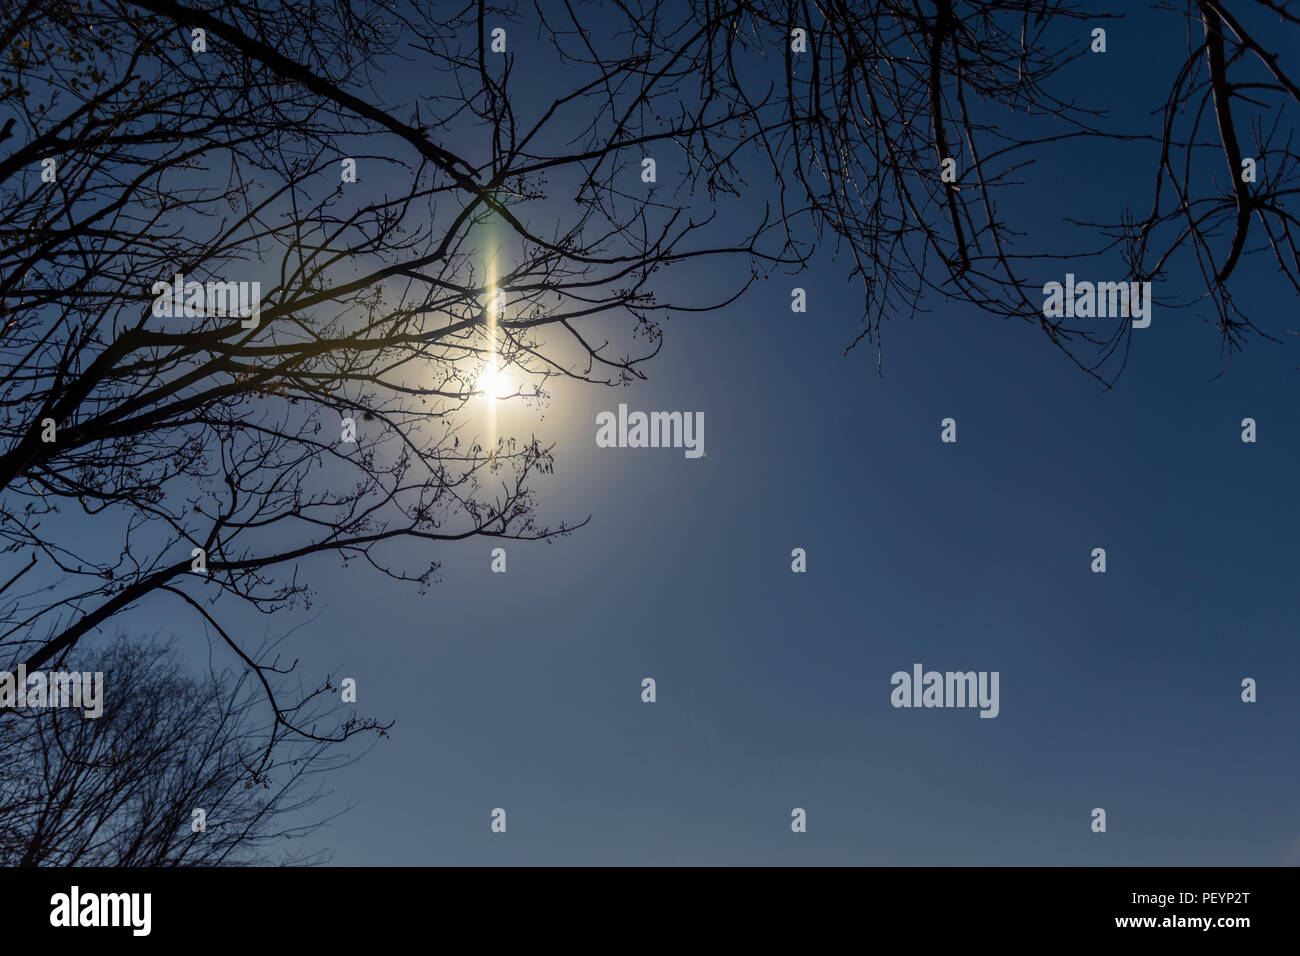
<point x="495" y="382"/>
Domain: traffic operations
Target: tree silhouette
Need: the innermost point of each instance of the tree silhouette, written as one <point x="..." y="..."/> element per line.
<point x="207" y="432"/>
<point x="121" y="789"/>
<point x="886" y="91"/>
<point x="187" y="465"/>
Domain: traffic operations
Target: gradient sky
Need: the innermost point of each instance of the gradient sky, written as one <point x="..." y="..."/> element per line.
<point x="522" y="690"/>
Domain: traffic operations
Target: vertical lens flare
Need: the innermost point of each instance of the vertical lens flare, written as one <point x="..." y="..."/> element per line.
<point x="493" y="383"/>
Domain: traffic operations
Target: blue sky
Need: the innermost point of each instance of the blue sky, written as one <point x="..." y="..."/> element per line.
<point x="523" y="690"/>
<point x="1120" y="690"/>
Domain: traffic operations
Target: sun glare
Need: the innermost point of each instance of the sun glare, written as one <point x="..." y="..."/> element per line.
<point x="495" y="382"/>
